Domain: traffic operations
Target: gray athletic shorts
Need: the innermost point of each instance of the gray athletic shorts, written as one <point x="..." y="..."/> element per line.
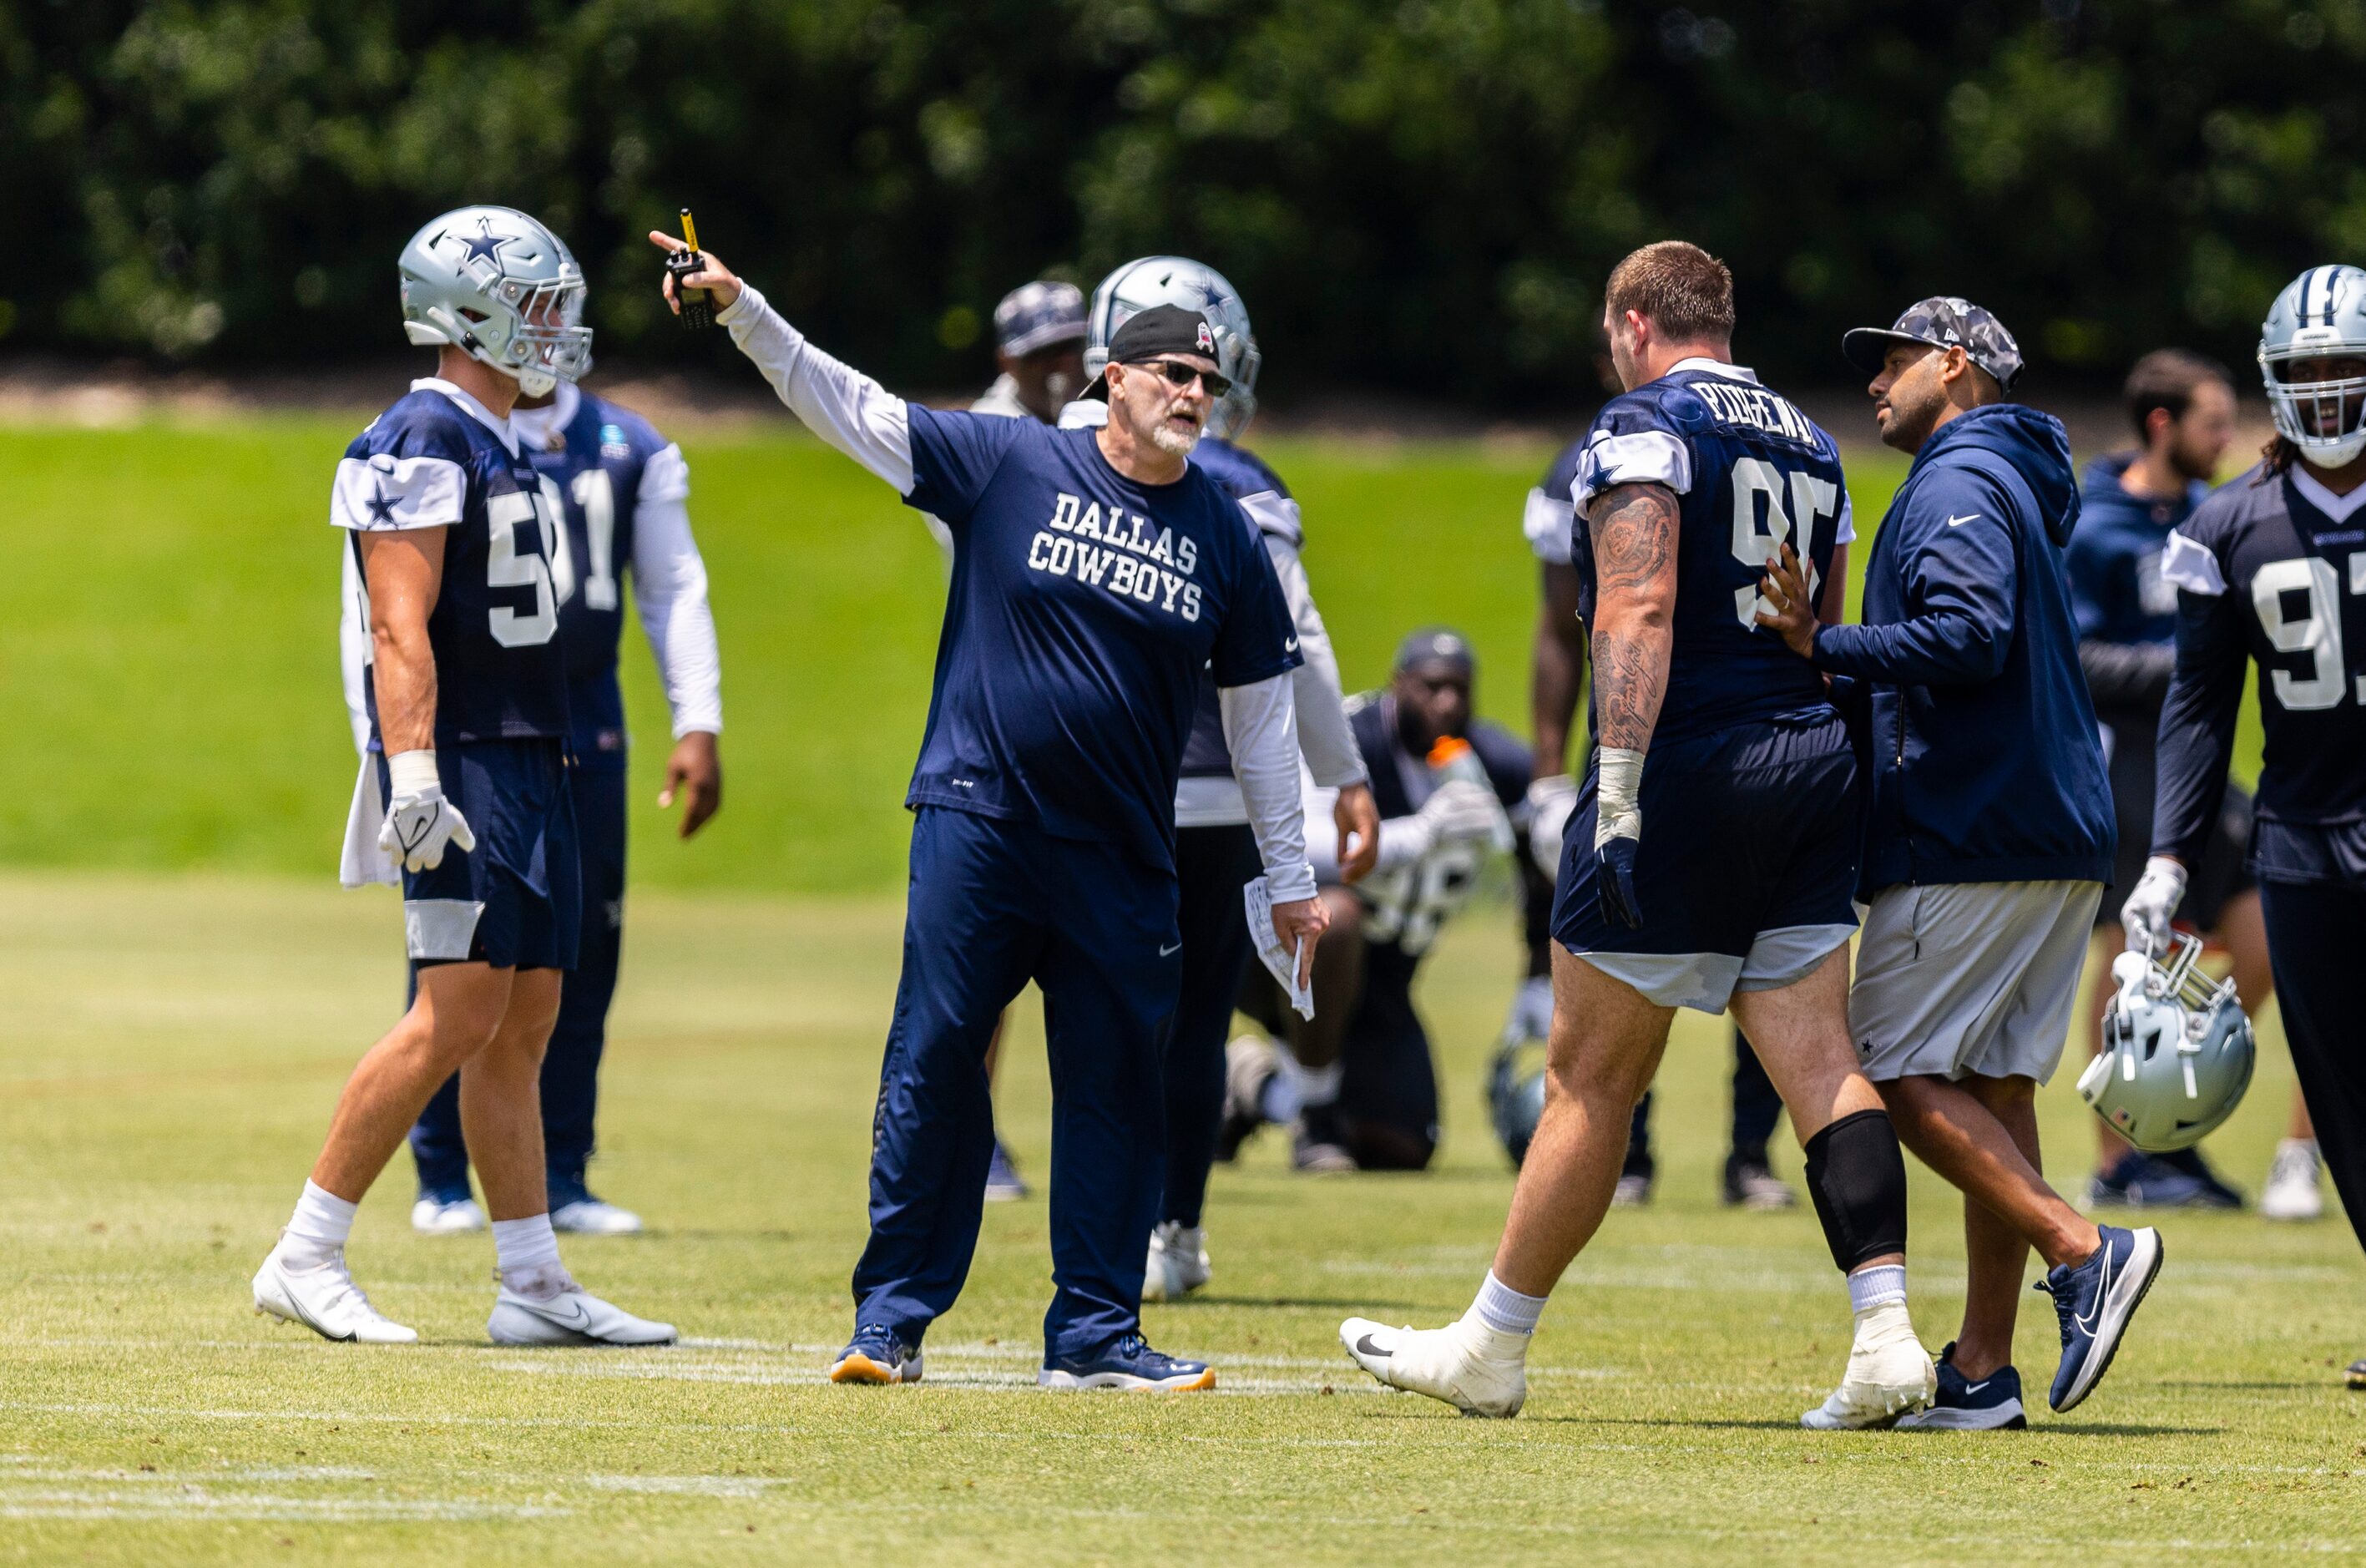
<point x="1970" y="979"/>
<point x="1706" y="981"/>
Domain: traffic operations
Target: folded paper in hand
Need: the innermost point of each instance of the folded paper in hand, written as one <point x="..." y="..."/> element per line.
<point x="1281" y="961"/>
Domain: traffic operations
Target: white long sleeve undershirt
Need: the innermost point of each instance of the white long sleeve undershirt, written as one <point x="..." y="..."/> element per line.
<point x="669" y="591"/>
<point x="1261" y="729"/>
<point x="837" y="403"/>
<point x="1332" y="755"/>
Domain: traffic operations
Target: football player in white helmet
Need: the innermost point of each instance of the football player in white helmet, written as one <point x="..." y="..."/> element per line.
<point x="2265" y="570"/>
<point x="463" y="794"/>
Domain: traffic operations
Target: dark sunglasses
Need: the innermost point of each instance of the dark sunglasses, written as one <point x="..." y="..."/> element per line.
<point x="1178" y="374"/>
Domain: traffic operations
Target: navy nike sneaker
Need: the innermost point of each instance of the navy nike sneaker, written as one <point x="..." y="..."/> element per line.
<point x="1003" y="1184"/>
<point x="876" y="1356"/>
<point x="1128" y="1362"/>
<point x="2214" y="1191"/>
<point x="1991" y="1404"/>
<point x="2139" y="1180"/>
<point x="2093" y="1303"/>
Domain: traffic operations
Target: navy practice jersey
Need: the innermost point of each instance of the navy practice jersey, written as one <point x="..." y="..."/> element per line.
<point x="1550" y="513"/>
<point x="436" y="459"/>
<point x="608" y="460"/>
<point x="1267" y="502"/>
<point x="1085" y="612"/>
<point x="2264" y="575"/>
<point x="1753" y="471"/>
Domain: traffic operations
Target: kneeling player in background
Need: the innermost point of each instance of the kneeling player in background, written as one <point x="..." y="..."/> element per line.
<point x="466" y="784"/>
<point x="1445" y="782"/>
<point x="1721" y="743"/>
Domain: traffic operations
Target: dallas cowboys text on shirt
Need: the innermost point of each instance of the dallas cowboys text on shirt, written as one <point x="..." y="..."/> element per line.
<point x="1118" y="551"/>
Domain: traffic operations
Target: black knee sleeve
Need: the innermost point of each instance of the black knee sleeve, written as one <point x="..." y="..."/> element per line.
<point x="1857" y="1177"/>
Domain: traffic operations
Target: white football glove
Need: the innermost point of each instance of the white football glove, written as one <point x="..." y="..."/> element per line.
<point x="1551" y="800"/>
<point x="2149" y="908"/>
<point x="419" y="820"/>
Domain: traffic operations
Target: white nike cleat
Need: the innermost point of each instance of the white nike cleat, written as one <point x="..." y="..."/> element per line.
<point x="2292" y="1191"/>
<point x="1888" y="1374"/>
<point x="1470" y="1366"/>
<point x="1178" y="1262"/>
<point x="590" y="1216"/>
<point x="433" y="1217"/>
<point x="570" y="1315"/>
<point x="325" y="1300"/>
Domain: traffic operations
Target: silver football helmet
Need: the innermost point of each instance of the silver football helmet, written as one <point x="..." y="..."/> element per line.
<point x="1194" y="286"/>
<point x="2177" y="1053"/>
<point x="497" y="286"/>
<point x="2320" y="314"/>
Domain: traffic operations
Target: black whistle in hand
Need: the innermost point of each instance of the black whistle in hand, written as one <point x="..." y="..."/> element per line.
<point x="697" y="304"/>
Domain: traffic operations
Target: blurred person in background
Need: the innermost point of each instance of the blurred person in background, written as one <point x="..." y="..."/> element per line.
<point x="2182" y="409"/>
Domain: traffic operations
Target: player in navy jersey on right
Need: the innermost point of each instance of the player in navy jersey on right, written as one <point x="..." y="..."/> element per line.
<point x="464" y="784"/>
<point x="2272" y="570"/>
<point x="1713" y="852"/>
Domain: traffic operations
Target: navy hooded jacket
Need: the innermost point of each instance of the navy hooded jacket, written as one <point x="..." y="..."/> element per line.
<point x="1987" y="766"/>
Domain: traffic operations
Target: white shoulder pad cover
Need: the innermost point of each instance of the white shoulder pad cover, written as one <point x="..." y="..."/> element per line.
<point x="664" y="477"/>
<point x="1547" y="524"/>
<point x="384" y="492"/>
<point x="1275" y="514"/>
<point x="1642" y="457"/>
<point x="2191" y="567"/>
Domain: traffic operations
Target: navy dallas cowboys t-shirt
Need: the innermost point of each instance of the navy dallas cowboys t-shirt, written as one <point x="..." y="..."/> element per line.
<point x="1083" y="609"/>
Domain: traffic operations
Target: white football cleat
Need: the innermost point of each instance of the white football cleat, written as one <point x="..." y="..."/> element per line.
<point x="1470" y="1366"/>
<point x="1178" y="1262"/>
<point x="2292" y="1191"/>
<point x="433" y="1217"/>
<point x="1888" y="1374"/>
<point x="570" y="1315"/>
<point x="590" y="1216"/>
<point x="325" y="1300"/>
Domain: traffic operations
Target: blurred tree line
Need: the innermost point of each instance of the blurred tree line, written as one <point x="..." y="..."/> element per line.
<point x="1417" y="194"/>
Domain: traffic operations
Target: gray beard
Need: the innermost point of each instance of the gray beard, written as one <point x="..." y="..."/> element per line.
<point x="1169" y="440"/>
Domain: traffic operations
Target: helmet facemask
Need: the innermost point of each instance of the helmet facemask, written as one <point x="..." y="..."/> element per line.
<point x="2324" y="419"/>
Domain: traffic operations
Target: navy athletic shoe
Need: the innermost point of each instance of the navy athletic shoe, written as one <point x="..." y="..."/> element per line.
<point x="2139" y="1180"/>
<point x="1129" y="1363"/>
<point x="1991" y="1404"/>
<point x="876" y="1356"/>
<point x="2212" y="1192"/>
<point x="2093" y="1303"/>
<point x="1002" y="1182"/>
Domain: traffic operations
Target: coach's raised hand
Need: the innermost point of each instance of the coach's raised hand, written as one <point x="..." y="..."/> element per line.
<point x="716" y="278"/>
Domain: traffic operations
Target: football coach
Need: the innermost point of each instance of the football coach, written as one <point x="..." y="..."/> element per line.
<point x="1097" y="574"/>
<point x="1989" y="833"/>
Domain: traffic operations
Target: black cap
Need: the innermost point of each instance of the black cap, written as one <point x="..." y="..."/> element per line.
<point x="1162" y="329"/>
<point x="1436" y="645"/>
<point x="1943" y="321"/>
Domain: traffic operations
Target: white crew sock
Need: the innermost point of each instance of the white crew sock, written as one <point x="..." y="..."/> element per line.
<point x="1877" y="1287"/>
<point x="1505" y="1310"/>
<point x="526" y="1253"/>
<point x="317" y="1231"/>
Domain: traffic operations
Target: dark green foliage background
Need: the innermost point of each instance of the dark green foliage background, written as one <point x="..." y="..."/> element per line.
<point x="1425" y="193"/>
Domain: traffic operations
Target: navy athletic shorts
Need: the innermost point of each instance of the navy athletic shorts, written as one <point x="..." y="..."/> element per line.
<point x="516" y="900"/>
<point x="1746" y="870"/>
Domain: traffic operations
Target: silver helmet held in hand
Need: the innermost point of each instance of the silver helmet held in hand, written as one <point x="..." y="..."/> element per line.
<point x="2177" y="1053"/>
<point x="2321" y="314"/>
<point x="1194" y="286"/>
<point x="495" y="284"/>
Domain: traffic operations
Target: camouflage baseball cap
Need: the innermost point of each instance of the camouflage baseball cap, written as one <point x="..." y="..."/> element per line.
<point x="1943" y="321"/>
<point x="1039" y="315"/>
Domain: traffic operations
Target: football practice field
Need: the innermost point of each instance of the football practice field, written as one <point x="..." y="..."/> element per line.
<point x="183" y="989"/>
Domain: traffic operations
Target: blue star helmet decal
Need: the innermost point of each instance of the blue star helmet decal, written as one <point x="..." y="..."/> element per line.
<point x="487" y="245"/>
<point x="1211" y="296"/>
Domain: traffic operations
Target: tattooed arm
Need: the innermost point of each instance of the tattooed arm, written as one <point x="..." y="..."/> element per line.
<point x="1633" y="531"/>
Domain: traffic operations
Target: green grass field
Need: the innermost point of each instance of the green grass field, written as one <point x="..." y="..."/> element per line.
<point x="174" y="1045"/>
<point x="182" y="991"/>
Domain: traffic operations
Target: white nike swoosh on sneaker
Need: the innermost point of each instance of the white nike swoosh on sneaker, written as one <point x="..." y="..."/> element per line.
<point x="581" y="1321"/>
<point x="2086" y="1321"/>
<point x="1975" y="1387"/>
<point x="1966" y="517"/>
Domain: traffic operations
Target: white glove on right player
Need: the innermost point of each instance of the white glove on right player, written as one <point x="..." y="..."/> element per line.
<point x="2149" y="908"/>
<point x="1551" y="800"/>
<point x="419" y="820"/>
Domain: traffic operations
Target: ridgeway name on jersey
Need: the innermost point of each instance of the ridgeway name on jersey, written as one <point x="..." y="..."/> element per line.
<point x="2275" y="573"/>
<point x="438" y="459"/>
<point x="1753" y="473"/>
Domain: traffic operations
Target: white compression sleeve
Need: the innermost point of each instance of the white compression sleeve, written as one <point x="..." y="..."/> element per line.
<point x="1261" y="728"/>
<point x="1332" y="755"/>
<point x="670" y="589"/>
<point x="839" y="404"/>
